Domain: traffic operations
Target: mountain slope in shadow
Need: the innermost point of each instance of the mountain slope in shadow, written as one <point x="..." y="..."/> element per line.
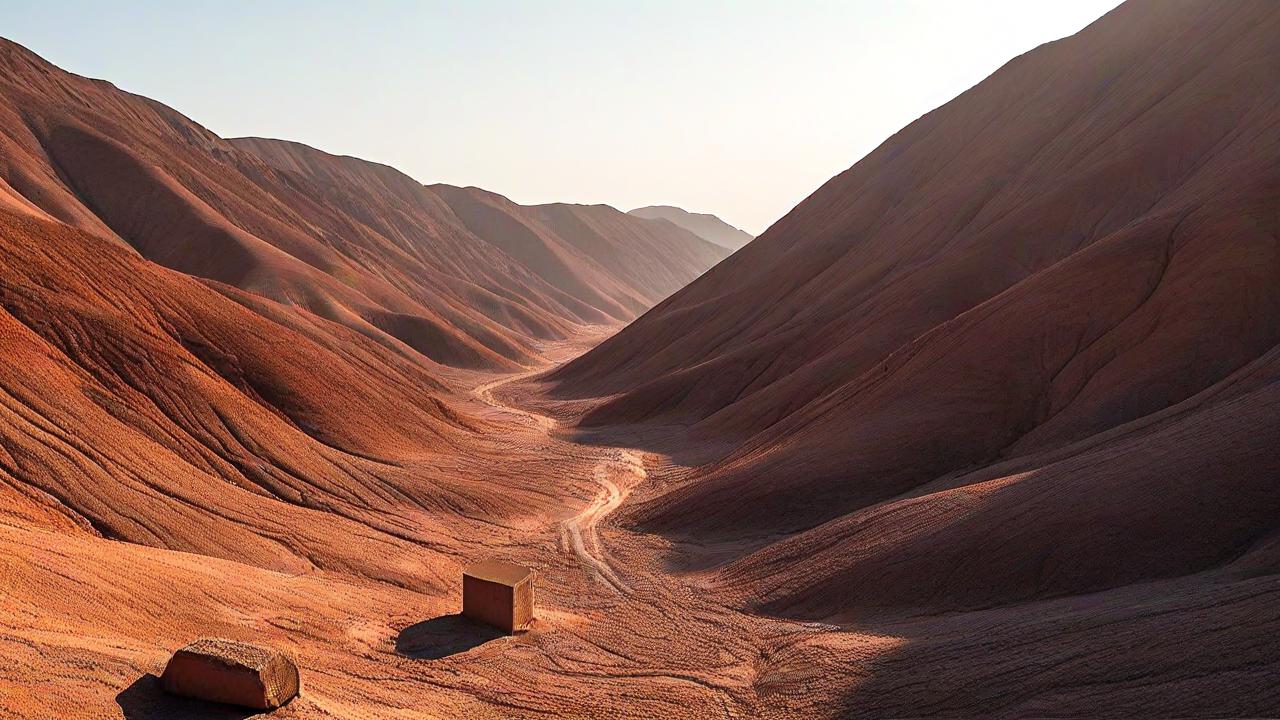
<point x="1025" y="348"/>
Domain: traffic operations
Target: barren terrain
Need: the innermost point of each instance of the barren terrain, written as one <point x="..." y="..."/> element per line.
<point x="987" y="426"/>
<point x="616" y="635"/>
<point x="90" y="621"/>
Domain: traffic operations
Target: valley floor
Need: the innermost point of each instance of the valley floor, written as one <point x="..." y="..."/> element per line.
<point x="86" y="624"/>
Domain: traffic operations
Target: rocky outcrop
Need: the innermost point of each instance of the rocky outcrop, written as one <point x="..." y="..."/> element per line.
<point x="232" y="672"/>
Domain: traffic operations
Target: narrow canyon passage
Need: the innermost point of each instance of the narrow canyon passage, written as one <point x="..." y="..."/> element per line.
<point x="617" y="624"/>
<point x="660" y="639"/>
<point x="616" y="473"/>
<point x="617" y="635"/>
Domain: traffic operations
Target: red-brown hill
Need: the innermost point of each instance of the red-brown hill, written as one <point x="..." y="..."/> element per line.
<point x="354" y="242"/>
<point x="1014" y="336"/>
<point x="239" y="348"/>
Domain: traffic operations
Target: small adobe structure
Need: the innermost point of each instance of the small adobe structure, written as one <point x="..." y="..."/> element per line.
<point x="232" y="672"/>
<point x="498" y="593"/>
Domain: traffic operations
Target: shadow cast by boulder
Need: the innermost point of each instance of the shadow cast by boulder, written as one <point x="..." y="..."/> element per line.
<point x="145" y="700"/>
<point x="443" y="636"/>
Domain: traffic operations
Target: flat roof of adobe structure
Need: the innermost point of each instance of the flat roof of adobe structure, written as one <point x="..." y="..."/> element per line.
<point x="498" y="571"/>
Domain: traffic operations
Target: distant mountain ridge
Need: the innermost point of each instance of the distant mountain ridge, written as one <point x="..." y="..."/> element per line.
<point x="704" y="225"/>
<point x="353" y="242"/>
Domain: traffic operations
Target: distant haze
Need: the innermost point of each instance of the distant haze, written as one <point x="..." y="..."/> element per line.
<point x="735" y="108"/>
<point x="704" y="225"/>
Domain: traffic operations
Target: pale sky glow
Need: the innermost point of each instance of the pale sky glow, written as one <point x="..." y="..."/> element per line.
<point x="738" y="108"/>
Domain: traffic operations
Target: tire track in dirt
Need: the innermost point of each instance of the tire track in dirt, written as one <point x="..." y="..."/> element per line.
<point x="484" y="393"/>
<point x="578" y="533"/>
<point x="616" y="474"/>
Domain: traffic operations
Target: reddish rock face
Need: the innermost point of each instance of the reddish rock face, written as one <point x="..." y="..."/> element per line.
<point x="232" y="672"/>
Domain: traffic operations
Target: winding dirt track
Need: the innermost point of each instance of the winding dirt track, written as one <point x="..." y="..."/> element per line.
<point x="617" y="473"/>
<point x="579" y="531"/>
<point x="484" y="393"/>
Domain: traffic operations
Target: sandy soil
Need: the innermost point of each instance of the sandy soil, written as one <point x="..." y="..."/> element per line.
<point x="88" y="622"/>
<point x="615" y="475"/>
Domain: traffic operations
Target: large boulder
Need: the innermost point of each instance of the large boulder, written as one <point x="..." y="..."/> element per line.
<point x="232" y="672"/>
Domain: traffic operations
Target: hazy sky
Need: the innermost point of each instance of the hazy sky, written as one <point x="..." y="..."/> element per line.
<point x="739" y="108"/>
